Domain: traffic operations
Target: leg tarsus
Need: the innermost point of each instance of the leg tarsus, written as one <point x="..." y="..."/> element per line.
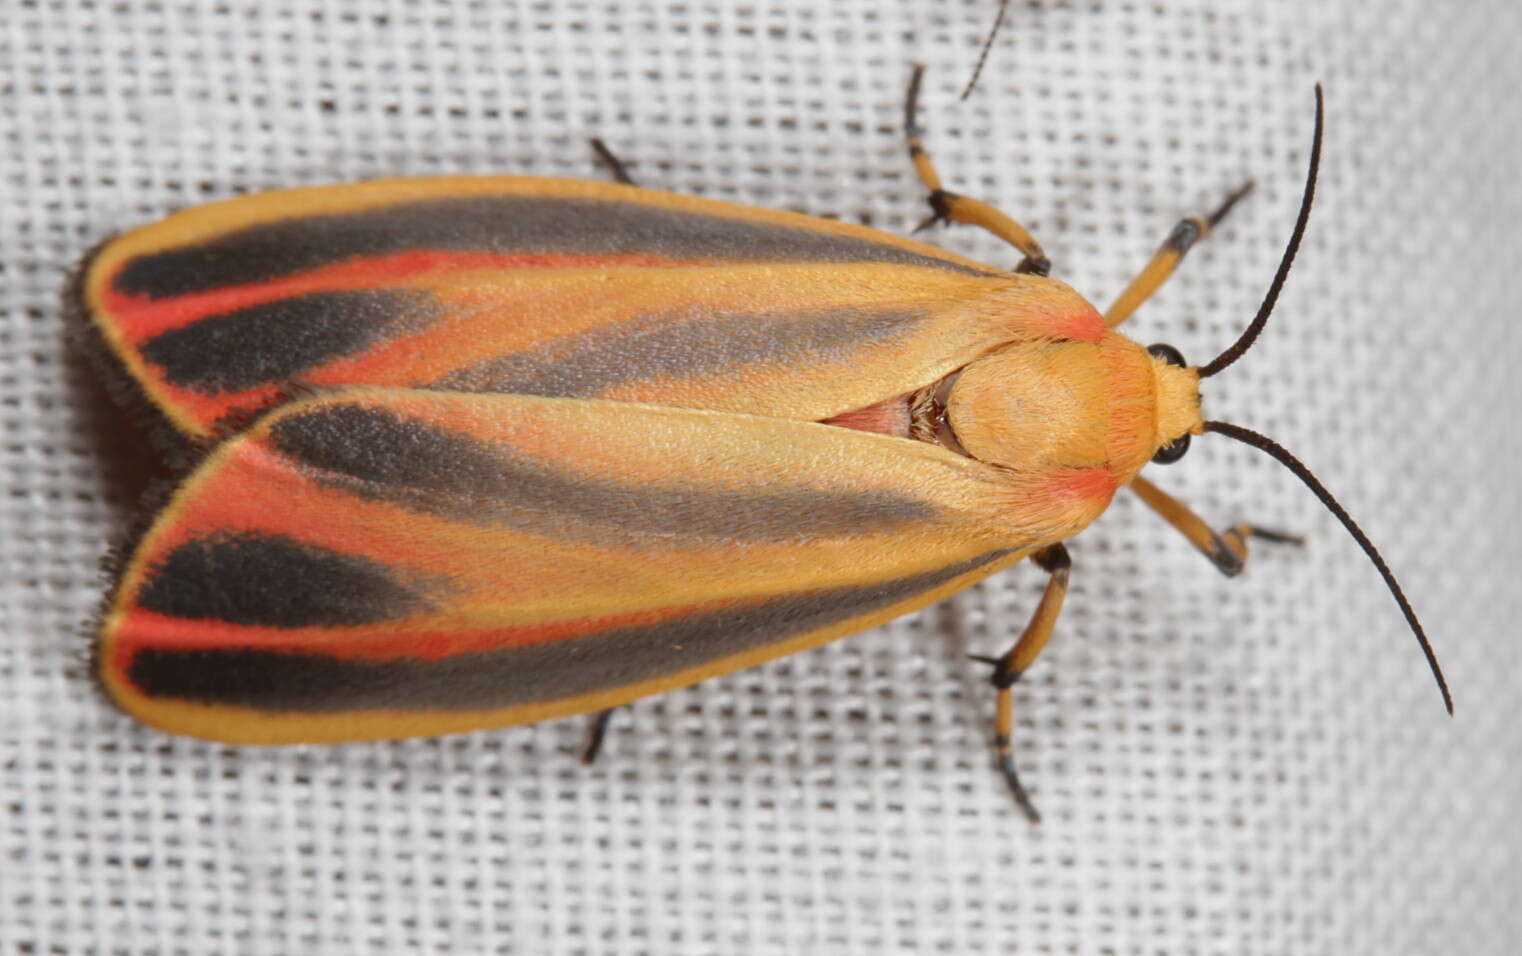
<point x="1017" y="789"/>
<point x="1241" y="193"/>
<point x="597" y="729"/>
<point x="1245" y="530"/>
<point x="1226" y="550"/>
<point x="1004" y="721"/>
<point x="615" y="165"/>
<point x="1235" y="540"/>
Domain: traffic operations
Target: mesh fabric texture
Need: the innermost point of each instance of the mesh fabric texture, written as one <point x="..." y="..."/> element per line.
<point x="1250" y="766"/>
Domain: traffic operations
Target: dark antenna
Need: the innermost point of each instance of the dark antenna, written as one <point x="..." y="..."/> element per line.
<point x="987" y="45"/>
<point x="1279" y="452"/>
<point x="1250" y="336"/>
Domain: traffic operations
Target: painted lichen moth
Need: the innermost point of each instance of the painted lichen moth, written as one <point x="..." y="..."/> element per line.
<point x="559" y="445"/>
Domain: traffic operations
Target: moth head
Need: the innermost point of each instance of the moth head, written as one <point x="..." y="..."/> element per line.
<point x="1178" y="403"/>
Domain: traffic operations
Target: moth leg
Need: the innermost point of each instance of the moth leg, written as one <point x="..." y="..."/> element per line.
<point x="1226" y="550"/>
<point x="1167" y="257"/>
<point x="948" y="206"/>
<point x="616" y="166"/>
<point x="1007" y="669"/>
<point x="597" y="729"/>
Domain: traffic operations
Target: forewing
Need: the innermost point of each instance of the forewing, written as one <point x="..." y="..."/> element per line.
<point x="386" y="563"/>
<point x="534" y="286"/>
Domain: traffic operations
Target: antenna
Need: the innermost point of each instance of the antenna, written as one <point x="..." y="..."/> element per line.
<point x="1279" y="452"/>
<point x="987" y="45"/>
<point x="1245" y="341"/>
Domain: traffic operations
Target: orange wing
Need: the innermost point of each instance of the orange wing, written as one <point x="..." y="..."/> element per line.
<point x="545" y="287"/>
<point x="386" y="563"/>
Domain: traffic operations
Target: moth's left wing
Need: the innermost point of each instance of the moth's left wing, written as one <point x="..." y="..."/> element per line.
<point x="544" y="287"/>
<point x="533" y="286"/>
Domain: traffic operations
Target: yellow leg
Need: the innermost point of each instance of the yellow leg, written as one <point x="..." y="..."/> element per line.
<point x="1007" y="669"/>
<point x="949" y="207"/>
<point x="1167" y="257"/>
<point x="1227" y="551"/>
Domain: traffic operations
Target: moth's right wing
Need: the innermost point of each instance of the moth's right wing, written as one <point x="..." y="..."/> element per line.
<point x="388" y="563"/>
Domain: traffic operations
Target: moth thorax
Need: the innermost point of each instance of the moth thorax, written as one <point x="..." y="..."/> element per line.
<point x="1035" y="406"/>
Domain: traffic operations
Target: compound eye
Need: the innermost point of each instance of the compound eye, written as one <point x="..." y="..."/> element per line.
<point x="1168" y="354"/>
<point x="1173" y="451"/>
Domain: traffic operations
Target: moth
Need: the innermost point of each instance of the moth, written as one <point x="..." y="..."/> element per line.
<point x="491" y="450"/>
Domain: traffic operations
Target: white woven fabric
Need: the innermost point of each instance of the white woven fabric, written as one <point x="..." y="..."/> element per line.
<point x="1249" y="766"/>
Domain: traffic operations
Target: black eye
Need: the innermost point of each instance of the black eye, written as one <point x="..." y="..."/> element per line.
<point x="1173" y="451"/>
<point x="1168" y="354"/>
